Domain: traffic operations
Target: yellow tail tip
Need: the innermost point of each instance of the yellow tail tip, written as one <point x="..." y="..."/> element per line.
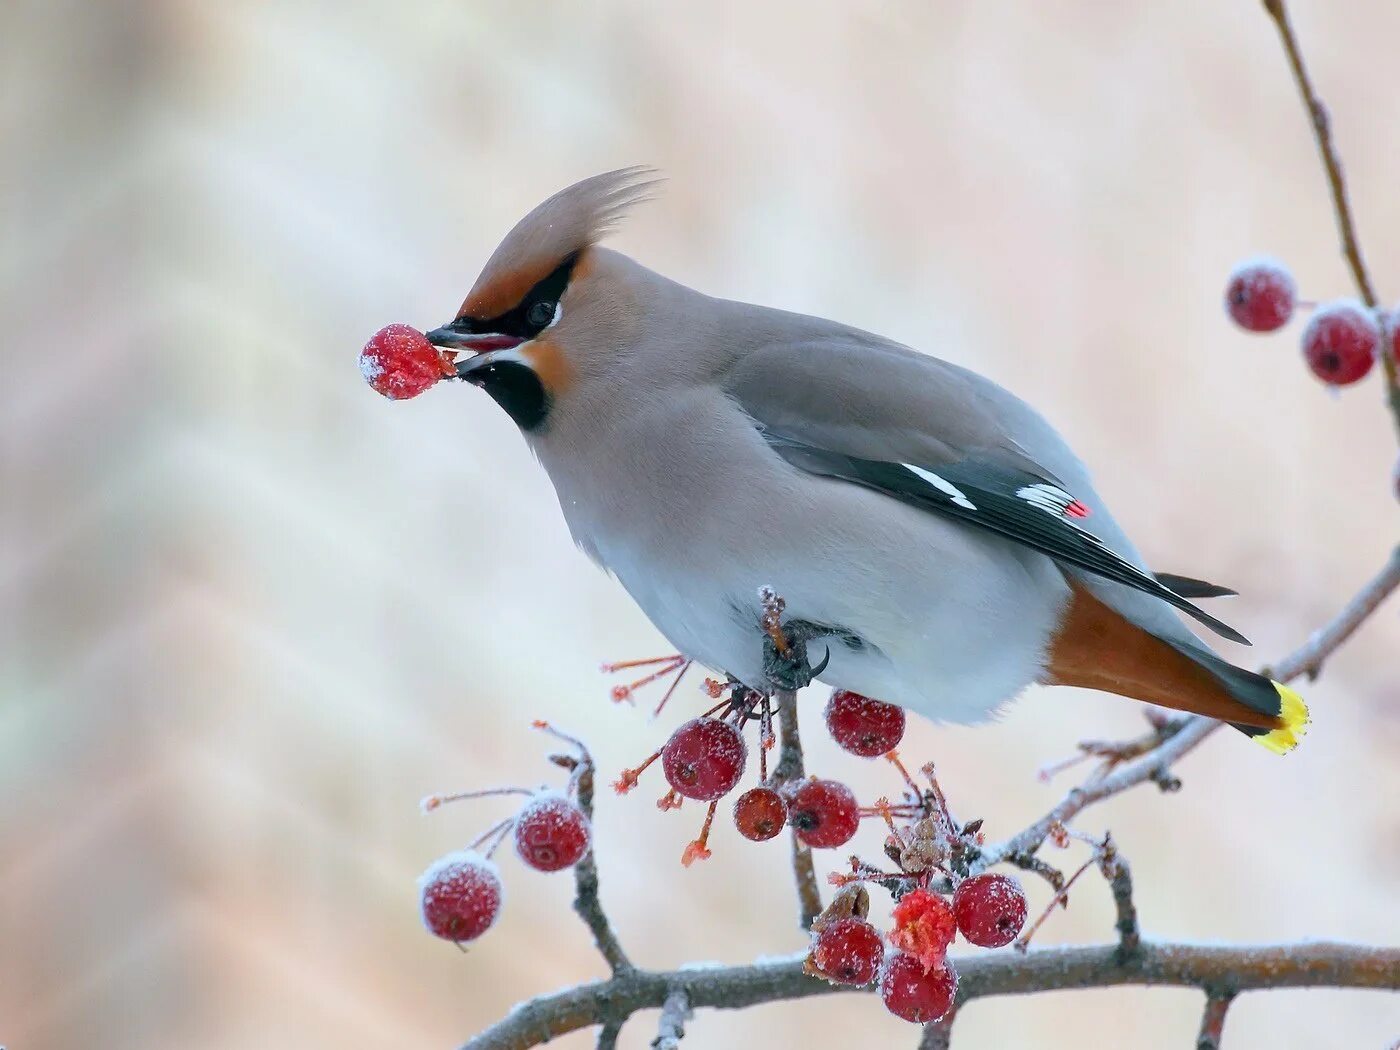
<point x="1294" y="715"/>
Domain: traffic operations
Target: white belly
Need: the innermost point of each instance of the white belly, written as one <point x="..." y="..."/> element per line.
<point x="954" y="621"/>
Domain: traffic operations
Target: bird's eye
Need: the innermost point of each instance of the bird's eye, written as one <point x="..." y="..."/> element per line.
<point x="539" y="314"/>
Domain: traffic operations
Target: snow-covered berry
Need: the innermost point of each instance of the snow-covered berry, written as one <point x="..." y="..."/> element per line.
<point x="1340" y="342"/>
<point x="460" y="896"/>
<point x="864" y="726"/>
<point x="704" y="759"/>
<point x="400" y="363"/>
<point x="760" y="813"/>
<point x="551" y="832"/>
<point x="824" y="813"/>
<point x="923" y="927"/>
<point x="911" y="992"/>
<point x="990" y="909"/>
<point x="1260" y="294"/>
<point x="848" y="951"/>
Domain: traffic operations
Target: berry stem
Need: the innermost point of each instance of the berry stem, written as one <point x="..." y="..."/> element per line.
<point x="1061" y="898"/>
<point x="432" y="802"/>
<point x="696" y="850"/>
<point x="499" y="830"/>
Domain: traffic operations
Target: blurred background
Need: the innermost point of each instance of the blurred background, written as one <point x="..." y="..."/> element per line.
<point x="250" y="612"/>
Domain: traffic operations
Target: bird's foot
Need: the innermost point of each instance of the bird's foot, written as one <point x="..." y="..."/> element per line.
<point x="785" y="662"/>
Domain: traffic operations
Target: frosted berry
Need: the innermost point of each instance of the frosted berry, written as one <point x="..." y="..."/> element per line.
<point x="990" y="909"/>
<point x="551" y="833"/>
<point x="460" y="895"/>
<point x="400" y="363"/>
<point x="848" y="951"/>
<point x="915" y="994"/>
<point x="1260" y="295"/>
<point x="704" y="759"/>
<point x="1340" y="342"/>
<point x="824" y="813"/>
<point x="864" y="726"/>
<point x="1393" y="337"/>
<point x="923" y="927"/>
<point x="760" y="813"/>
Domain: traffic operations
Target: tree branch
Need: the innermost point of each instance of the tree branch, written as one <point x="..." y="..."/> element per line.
<point x="586" y="900"/>
<point x="1336" y="181"/>
<point x="1241" y="968"/>
<point x="788" y="769"/>
<point x="675" y="1012"/>
<point x="1213" y="1019"/>
<point x="938" y="1035"/>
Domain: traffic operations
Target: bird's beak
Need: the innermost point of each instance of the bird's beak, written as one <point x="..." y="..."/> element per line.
<point x="458" y="336"/>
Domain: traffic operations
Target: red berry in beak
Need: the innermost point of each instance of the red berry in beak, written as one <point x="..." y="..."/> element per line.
<point x="400" y="363"/>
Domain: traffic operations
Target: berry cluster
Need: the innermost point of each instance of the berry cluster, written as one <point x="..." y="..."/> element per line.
<point x="1340" y="342"/>
<point x="400" y="363"/>
<point x="917" y="980"/>
<point x="705" y="758"/>
<point x="461" y="894"/>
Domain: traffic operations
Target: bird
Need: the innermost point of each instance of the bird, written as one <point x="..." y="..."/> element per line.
<point x="930" y="534"/>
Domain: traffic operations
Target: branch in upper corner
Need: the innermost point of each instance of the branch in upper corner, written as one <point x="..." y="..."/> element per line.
<point x="675" y="1012"/>
<point x="586" y="900"/>
<point x="1213" y="1020"/>
<point x="1336" y="180"/>
<point x="788" y="769"/>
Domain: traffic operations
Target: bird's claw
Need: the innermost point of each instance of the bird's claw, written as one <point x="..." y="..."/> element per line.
<point x="791" y="670"/>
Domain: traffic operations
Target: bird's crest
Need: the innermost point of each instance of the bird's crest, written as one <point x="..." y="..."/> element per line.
<point x="561" y="227"/>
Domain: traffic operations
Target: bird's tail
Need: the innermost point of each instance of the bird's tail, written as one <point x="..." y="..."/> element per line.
<point x="1098" y="648"/>
<point x="1286" y="715"/>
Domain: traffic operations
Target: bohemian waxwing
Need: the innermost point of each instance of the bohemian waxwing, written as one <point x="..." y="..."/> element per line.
<point x="937" y="543"/>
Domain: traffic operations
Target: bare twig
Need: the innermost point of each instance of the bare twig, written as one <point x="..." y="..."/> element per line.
<point x="1213" y="1019"/>
<point x="675" y="1012"/>
<point x="586" y="900"/>
<point x="1120" y="881"/>
<point x="788" y="769"/>
<point x="607" y="1035"/>
<point x="1242" y="968"/>
<point x="938" y="1035"/>
<point x="1336" y="181"/>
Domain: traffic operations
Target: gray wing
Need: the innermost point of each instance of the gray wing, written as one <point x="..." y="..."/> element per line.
<point x="854" y="407"/>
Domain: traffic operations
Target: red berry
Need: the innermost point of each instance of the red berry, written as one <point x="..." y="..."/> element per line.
<point x="848" y="951"/>
<point x="1340" y="342"/>
<point x="400" y="363"/>
<point x="824" y="813"/>
<point x="460" y="895"/>
<point x="923" y="927"/>
<point x="551" y="833"/>
<point x="760" y="813"/>
<point x="915" y="994"/>
<point x="1260" y="295"/>
<point x="864" y="726"/>
<point x="1393" y="324"/>
<point x="704" y="759"/>
<point x="990" y="909"/>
